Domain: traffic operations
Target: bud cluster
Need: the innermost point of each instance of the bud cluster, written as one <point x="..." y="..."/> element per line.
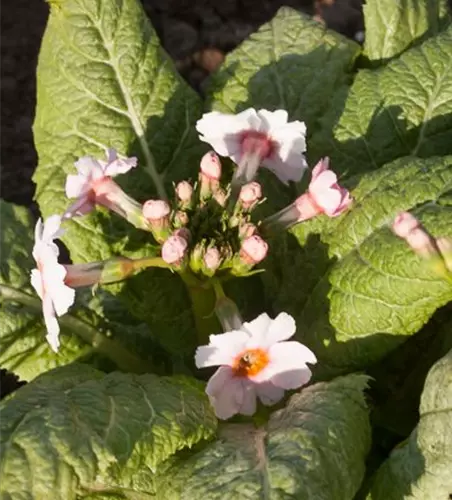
<point x="199" y="232"/>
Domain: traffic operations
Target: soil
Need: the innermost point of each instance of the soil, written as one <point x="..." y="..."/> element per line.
<point x="196" y="33"/>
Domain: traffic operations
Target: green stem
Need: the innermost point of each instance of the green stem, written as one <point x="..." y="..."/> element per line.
<point x="124" y="359"/>
<point x="203" y="300"/>
<point x="226" y="309"/>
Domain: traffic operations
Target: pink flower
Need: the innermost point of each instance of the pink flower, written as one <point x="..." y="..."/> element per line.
<point x="175" y="249"/>
<point x="255" y="362"/>
<point x="253" y="250"/>
<point x="267" y="135"/>
<point x="93" y="183"/>
<point x="324" y="195"/>
<point x="249" y="196"/>
<point x="407" y="227"/>
<point x="48" y="278"/>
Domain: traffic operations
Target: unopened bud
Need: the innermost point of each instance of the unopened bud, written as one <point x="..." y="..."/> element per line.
<point x="403" y="224"/>
<point x="209" y="175"/>
<point x="249" y="196"/>
<point x="221" y="197"/>
<point x="174" y="250"/>
<point x="157" y="212"/>
<point x="246" y="230"/>
<point x="211" y="261"/>
<point x="180" y="219"/>
<point x="184" y="193"/>
<point x="253" y="251"/>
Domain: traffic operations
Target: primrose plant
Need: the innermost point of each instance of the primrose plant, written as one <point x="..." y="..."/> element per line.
<point x="257" y="299"/>
<point x="207" y="234"/>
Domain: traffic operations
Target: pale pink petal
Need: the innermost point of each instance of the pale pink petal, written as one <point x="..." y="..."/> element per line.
<point x="76" y="185"/>
<point x="248" y="406"/>
<point x="39" y="228"/>
<point x="290" y="170"/>
<point x="281" y="328"/>
<point x="225" y="392"/>
<point x="404" y="223"/>
<point x="62" y="296"/>
<point x="221" y="132"/>
<point x="322" y="182"/>
<point x="52" y="229"/>
<point x="81" y="206"/>
<point x="268" y="393"/>
<point x="328" y="200"/>
<point x="88" y="167"/>
<point x="257" y="328"/>
<point x="321" y="166"/>
<point x="36" y="282"/>
<point x="222" y="349"/>
<point x="120" y="166"/>
<point x="52" y="326"/>
<point x="272" y="119"/>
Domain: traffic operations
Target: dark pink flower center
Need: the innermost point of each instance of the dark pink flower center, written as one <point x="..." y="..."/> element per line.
<point x="254" y="142"/>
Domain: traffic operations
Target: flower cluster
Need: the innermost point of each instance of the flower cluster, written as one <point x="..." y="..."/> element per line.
<point x="208" y="231"/>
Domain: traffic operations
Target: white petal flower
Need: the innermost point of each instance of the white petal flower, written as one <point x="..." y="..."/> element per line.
<point x="279" y="143"/>
<point x="48" y="278"/>
<point x="255" y="362"/>
<point x="90" y="174"/>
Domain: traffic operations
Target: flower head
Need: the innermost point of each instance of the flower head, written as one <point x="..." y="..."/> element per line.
<point x="267" y="135"/>
<point x="324" y="194"/>
<point x="255" y="362"/>
<point x="48" y="278"/>
<point x="92" y="184"/>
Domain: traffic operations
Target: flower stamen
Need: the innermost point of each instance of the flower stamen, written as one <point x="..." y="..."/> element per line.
<point x="250" y="362"/>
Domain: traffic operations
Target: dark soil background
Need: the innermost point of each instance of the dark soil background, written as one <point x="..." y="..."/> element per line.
<point x="196" y="33"/>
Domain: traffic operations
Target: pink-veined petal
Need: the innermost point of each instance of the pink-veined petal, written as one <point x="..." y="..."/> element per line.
<point x="322" y="182"/>
<point x="81" y="206"/>
<point x="321" y="166"/>
<point x="89" y="167"/>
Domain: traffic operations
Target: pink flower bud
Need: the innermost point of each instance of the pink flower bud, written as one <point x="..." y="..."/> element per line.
<point x="249" y="195"/>
<point x="211" y="166"/>
<point x="174" y="250"/>
<point x="156" y="211"/>
<point x="180" y="219"/>
<point x="212" y="259"/>
<point x="403" y="224"/>
<point x="184" y="193"/>
<point x="253" y="250"/>
<point x="247" y="230"/>
<point x="324" y="195"/>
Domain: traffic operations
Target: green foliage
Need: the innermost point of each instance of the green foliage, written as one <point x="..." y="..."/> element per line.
<point x="404" y="108"/>
<point x="104" y="81"/>
<point x="313" y="448"/>
<point x="394" y="25"/>
<point x="420" y="467"/>
<point x="85" y="432"/>
<point x="363" y="289"/>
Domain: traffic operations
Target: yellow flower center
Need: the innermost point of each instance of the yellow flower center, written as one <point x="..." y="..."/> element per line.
<point x="250" y="362"/>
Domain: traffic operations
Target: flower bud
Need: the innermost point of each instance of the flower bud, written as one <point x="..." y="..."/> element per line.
<point x="221" y="197"/>
<point x="445" y="247"/>
<point x="157" y="213"/>
<point x="246" y="230"/>
<point x="184" y="193"/>
<point x="253" y="251"/>
<point x="174" y="250"/>
<point x="211" y="261"/>
<point x="180" y="219"/>
<point x="209" y="175"/>
<point x="197" y="257"/>
<point x="249" y="196"/>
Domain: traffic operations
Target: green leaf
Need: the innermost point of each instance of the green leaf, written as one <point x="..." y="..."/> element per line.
<point x="393" y="25"/>
<point x="104" y="81"/>
<point x="404" y="108"/>
<point x="355" y="289"/>
<point x="420" y="467"/>
<point x="84" y="330"/>
<point x="313" y="448"/>
<point x="74" y="431"/>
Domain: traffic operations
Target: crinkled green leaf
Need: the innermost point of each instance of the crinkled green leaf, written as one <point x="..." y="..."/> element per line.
<point x="313" y="448"/>
<point x="394" y="25"/>
<point x="104" y="81"/>
<point x="74" y="431"/>
<point x="420" y="467"/>
<point x="292" y="62"/>
<point x="354" y="288"/>
<point x="404" y="108"/>
<point x="23" y="346"/>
